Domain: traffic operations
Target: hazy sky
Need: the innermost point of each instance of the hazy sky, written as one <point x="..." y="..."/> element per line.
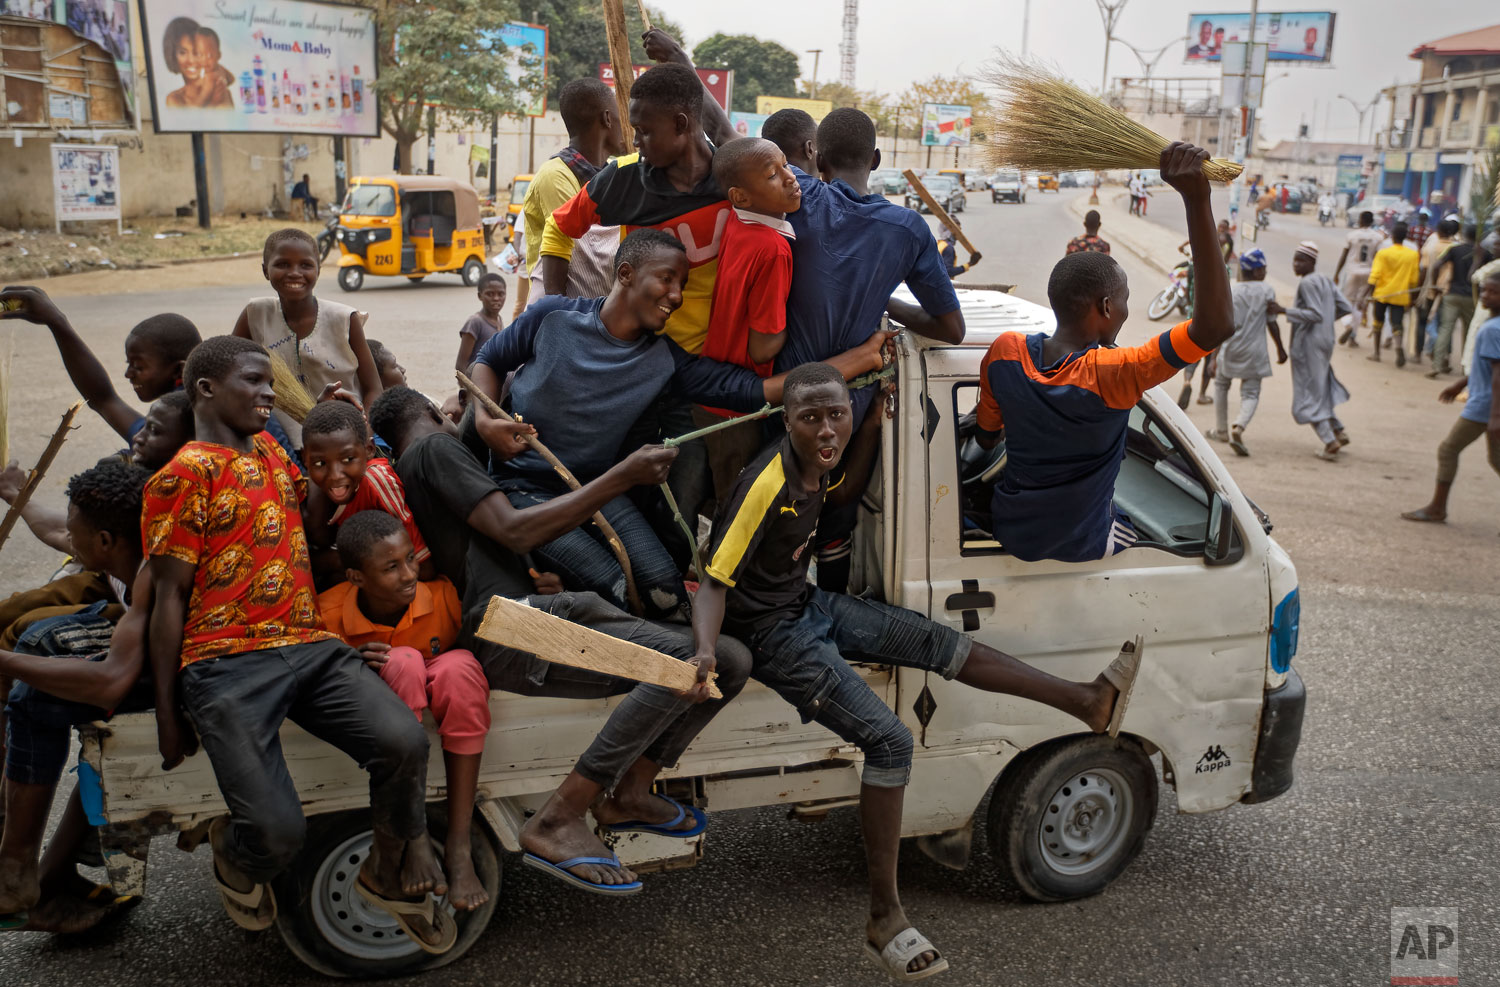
<point x="1372" y="39"/>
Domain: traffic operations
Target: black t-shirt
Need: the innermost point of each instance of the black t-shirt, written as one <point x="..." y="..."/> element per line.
<point x="762" y="541"/>
<point x="444" y="483"/>
<point x="1461" y="256"/>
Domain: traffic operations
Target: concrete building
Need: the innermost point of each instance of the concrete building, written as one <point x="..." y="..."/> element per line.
<point x="1437" y="128"/>
<point x="1315" y="162"/>
<point x="1178" y="109"/>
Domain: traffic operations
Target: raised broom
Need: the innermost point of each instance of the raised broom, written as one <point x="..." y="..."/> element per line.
<point x="1045" y="123"/>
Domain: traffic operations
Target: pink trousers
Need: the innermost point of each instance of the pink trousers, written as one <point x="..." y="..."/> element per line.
<point x="454" y="686"/>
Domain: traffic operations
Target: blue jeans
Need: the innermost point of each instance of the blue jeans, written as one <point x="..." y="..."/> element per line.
<point x="584" y="561"/>
<point x="806" y="660"/>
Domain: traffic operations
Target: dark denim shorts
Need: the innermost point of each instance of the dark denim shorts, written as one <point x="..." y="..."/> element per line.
<point x="806" y="660"/>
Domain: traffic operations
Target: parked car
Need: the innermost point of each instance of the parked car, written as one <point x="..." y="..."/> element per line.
<point x="889" y="181"/>
<point x="1007" y="186"/>
<point x="1068" y="180"/>
<point x="948" y="192"/>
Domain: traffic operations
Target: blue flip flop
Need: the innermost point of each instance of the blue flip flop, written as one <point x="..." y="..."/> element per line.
<point x="560" y="871"/>
<point x="700" y="823"/>
<point x="11" y="921"/>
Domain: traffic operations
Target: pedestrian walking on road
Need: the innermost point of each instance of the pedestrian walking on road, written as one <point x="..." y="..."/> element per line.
<point x="1481" y="413"/>
<point x="1434" y="284"/>
<point x="1090" y="240"/>
<point x="1456" y="307"/>
<point x="1394" y="276"/>
<point x="1134" y="186"/>
<point x="1245" y="357"/>
<point x="1360" y="248"/>
<point x="1312" y="317"/>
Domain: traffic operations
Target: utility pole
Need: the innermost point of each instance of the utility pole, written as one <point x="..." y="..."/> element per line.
<point x="1110" y="12"/>
<point x="494" y="152"/>
<point x="816" y="53"/>
<point x="1241" y="152"/>
<point x="1025" y="29"/>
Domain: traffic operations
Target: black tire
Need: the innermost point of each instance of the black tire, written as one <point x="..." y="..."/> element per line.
<point x="473" y="271"/>
<point x="325" y="246"/>
<point x="1162" y="305"/>
<point x="351" y="278"/>
<point x="416" y="278"/>
<point x="1045" y="810"/>
<point x="330" y="928"/>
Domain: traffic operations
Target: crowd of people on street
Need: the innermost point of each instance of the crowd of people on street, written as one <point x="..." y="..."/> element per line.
<point x="245" y="562"/>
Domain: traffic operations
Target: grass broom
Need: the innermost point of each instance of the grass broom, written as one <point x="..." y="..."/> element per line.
<point x="1045" y="123"/>
<point x="291" y="396"/>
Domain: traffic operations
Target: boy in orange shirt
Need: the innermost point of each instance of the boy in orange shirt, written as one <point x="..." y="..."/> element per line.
<point x="748" y="321"/>
<point x="405" y="630"/>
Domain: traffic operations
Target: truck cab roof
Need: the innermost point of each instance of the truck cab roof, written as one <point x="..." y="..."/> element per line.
<point x="987" y="314"/>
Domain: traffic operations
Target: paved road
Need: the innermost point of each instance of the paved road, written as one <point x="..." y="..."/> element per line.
<point x="1397" y="776"/>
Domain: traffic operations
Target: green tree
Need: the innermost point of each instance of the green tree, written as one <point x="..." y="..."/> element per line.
<point x="576" y="42"/>
<point x="761" y="68"/>
<point x="441" y="56"/>
<point x="879" y="107"/>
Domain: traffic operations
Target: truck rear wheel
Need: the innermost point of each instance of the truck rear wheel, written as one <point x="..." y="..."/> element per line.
<point x="328" y="926"/>
<point x="1072" y="816"/>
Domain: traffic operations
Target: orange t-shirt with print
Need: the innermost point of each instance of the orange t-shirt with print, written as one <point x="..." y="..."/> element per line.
<point x="235" y="515"/>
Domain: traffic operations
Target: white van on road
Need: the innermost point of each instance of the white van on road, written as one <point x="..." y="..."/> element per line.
<point x="1217" y="710"/>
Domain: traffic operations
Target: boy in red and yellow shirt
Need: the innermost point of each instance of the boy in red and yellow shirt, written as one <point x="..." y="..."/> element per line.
<point x="405" y="630"/>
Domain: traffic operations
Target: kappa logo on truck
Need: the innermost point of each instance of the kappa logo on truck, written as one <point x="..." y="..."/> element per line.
<point x="1213" y="759"/>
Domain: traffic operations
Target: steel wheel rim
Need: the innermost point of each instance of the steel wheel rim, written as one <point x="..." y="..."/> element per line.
<point x="345" y="920"/>
<point x="1086" y="821"/>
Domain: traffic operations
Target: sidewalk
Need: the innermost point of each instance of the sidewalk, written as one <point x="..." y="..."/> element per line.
<point x="1152" y="242"/>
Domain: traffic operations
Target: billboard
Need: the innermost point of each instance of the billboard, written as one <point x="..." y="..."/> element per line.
<point x="1303" y="36"/>
<point x="104" y="22"/>
<point x="261" y="66"/>
<point x="85" y="181"/>
<point x="748" y="124"/>
<point x="1350" y="171"/>
<point x="946" y="125"/>
<point x="719" y="82"/>
<point x="526" y="62"/>
<point x="815" y="108"/>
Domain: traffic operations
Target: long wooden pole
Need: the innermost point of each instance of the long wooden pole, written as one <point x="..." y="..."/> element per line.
<point x="645" y="17"/>
<point x="619" y="57"/>
<point x="34" y="478"/>
<point x="937" y="210"/>
<point x="615" y="545"/>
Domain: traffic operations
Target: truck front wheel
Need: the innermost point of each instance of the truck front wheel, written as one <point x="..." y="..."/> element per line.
<point x="328" y="926"/>
<point x="1072" y="816"/>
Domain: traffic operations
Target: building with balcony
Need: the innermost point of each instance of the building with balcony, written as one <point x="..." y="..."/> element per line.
<point x="1438" y="127"/>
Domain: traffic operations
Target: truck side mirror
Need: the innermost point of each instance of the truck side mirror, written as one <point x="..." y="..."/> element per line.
<point x="1218" y="546"/>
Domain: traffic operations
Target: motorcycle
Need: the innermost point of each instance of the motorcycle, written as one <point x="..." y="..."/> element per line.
<point x="1263" y="219"/>
<point x="1325" y="215"/>
<point x="327" y="237"/>
<point x="1177" y="295"/>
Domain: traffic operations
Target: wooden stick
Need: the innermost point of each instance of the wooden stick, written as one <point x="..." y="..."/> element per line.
<point x="554" y="639"/>
<point x="615" y="545"/>
<point x="645" y="17"/>
<point x="619" y="58"/>
<point x="937" y="210"/>
<point x="34" y="478"/>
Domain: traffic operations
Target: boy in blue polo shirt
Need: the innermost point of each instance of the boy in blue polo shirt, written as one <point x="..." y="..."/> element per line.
<point x="852" y="250"/>
<point x="1063" y="401"/>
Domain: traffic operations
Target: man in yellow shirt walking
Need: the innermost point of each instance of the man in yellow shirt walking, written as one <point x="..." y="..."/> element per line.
<point x="1394" y="276"/>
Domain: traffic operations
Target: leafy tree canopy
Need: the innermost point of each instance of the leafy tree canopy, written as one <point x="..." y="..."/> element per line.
<point x="761" y="68"/>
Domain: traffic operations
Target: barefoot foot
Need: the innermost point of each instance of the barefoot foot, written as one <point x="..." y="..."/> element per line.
<point x="465" y="890"/>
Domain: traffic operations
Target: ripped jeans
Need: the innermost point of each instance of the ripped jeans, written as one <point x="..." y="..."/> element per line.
<point x="806" y="660"/>
<point x="584" y="561"/>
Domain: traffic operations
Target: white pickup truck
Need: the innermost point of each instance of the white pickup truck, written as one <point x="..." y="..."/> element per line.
<point x="1217" y="711"/>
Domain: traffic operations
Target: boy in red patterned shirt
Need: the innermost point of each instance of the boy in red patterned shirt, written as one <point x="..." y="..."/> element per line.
<point x="235" y="633"/>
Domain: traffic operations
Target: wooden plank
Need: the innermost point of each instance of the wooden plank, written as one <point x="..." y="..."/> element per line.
<point x="937" y="210"/>
<point x="619" y="58"/>
<point x="553" y="639"/>
<point x="34" y="478"/>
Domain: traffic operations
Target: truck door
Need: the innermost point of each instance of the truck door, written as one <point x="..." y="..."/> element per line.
<point x="1205" y="627"/>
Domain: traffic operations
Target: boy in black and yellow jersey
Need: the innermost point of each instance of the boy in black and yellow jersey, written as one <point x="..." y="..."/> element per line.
<point x="801" y="638"/>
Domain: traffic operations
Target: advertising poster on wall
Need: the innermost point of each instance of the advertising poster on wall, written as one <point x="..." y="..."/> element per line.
<point x="815" y="108"/>
<point x="748" y="124"/>
<point x="104" y="22"/>
<point x="946" y="125"/>
<point x="1302" y="36"/>
<point x="86" y="182"/>
<point x="283" y="66"/>
<point x="1350" y="171"/>
<point x="719" y="82"/>
<point x="526" y="61"/>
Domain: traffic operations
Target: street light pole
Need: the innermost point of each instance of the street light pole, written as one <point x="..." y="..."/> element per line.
<point x="1110" y="12"/>
<point x="816" y="53"/>
<point x="1359" y="136"/>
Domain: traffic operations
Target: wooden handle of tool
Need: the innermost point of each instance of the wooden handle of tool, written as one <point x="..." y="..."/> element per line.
<point x="937" y="210"/>
<point x="608" y="530"/>
<point x="34" y="478"/>
<point x="645" y="17"/>
<point x="619" y="59"/>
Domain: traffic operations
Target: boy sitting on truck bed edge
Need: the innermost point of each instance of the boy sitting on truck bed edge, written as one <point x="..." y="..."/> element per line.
<point x="1063" y="401"/>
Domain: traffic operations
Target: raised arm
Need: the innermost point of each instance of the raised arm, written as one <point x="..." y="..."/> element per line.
<point x="1213" y="308"/>
<point x="49" y="524"/>
<point x="662" y="47"/>
<point x="84" y="369"/>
